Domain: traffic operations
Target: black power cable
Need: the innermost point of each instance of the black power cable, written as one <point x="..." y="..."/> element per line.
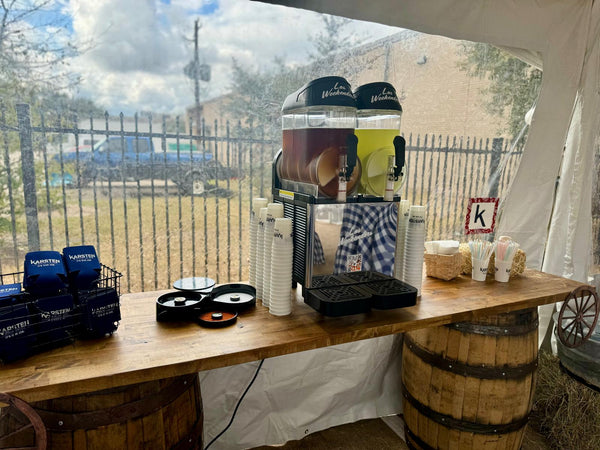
<point x="237" y="406"/>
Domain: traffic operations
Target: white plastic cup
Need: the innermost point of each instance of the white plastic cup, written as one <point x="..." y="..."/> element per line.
<point x="280" y="283"/>
<point x="257" y="203"/>
<point x="502" y="270"/>
<point x="480" y="268"/>
<point x="414" y="248"/>
<point x="274" y="211"/>
<point x="401" y="225"/>
<point x="260" y="252"/>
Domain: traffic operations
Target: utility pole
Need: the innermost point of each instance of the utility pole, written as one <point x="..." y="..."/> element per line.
<point x="197" y="72"/>
<point x="196" y="76"/>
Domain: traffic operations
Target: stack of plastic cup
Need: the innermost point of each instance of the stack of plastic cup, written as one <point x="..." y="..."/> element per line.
<point x="280" y="303"/>
<point x="414" y="247"/>
<point x="257" y="203"/>
<point x="403" y="212"/>
<point x="274" y="211"/>
<point x="260" y="251"/>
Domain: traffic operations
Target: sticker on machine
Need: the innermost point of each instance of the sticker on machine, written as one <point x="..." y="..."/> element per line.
<point x="354" y="263"/>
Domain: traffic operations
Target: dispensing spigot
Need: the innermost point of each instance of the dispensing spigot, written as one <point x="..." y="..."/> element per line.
<point x="391" y="180"/>
<point x="342" y="178"/>
<point x="351" y="152"/>
<point x="400" y="149"/>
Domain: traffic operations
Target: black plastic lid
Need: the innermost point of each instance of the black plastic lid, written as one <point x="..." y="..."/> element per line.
<point x="329" y="91"/>
<point x="194" y="284"/>
<point x="379" y="95"/>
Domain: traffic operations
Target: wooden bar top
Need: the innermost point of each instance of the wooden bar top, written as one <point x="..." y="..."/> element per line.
<point x="143" y="349"/>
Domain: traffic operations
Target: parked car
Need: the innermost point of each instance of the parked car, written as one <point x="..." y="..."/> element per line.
<point x="135" y="158"/>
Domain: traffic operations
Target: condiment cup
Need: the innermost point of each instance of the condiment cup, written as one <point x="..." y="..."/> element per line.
<point x="480" y="267"/>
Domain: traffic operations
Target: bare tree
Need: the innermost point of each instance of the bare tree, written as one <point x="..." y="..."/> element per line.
<point x="35" y="48"/>
<point x="333" y="38"/>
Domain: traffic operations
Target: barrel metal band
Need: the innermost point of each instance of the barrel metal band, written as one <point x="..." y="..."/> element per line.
<point x="495" y="330"/>
<point x="490" y="372"/>
<point x="411" y="437"/>
<point x="463" y="425"/>
<point x="193" y="440"/>
<point x="66" y="421"/>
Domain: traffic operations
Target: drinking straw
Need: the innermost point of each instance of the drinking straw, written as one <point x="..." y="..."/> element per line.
<point x="505" y="250"/>
<point x="480" y="249"/>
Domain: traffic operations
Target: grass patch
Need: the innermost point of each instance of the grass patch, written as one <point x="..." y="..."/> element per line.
<point x="565" y="411"/>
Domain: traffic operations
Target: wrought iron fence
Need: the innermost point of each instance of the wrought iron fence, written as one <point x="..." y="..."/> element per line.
<point x="160" y="204"/>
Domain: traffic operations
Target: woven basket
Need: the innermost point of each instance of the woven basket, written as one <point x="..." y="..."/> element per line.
<point x="445" y="267"/>
<point x="518" y="265"/>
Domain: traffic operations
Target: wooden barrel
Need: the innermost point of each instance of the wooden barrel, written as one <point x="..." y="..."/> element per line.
<point x="470" y="385"/>
<point x="162" y="414"/>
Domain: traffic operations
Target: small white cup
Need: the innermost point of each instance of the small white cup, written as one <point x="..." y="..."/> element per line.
<point x="480" y="267"/>
<point x="502" y="271"/>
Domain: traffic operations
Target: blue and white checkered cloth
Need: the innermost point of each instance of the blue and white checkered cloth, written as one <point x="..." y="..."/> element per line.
<point x="318" y="252"/>
<point x="367" y="238"/>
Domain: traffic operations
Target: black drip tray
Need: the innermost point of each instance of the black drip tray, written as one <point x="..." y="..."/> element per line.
<point x="358" y="292"/>
<point x="338" y="301"/>
<point x="390" y="294"/>
<point x="366" y="276"/>
<point x="322" y="281"/>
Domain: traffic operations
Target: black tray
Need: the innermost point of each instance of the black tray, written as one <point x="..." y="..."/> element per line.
<point x="358" y="292"/>
<point x="339" y="301"/>
<point x="390" y="294"/>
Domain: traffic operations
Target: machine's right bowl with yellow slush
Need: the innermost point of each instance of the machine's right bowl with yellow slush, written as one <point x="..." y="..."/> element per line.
<point x="378" y="122"/>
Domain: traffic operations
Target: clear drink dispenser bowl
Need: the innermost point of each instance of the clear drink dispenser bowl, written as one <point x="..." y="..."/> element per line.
<point x="379" y="116"/>
<point x="319" y="143"/>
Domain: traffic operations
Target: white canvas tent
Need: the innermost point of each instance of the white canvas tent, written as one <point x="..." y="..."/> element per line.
<point x="548" y="210"/>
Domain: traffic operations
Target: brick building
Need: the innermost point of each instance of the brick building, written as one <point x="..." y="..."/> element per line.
<point x="436" y="96"/>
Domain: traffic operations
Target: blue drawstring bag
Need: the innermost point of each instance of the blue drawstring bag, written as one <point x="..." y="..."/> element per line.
<point x="54" y="321"/>
<point x="83" y="267"/>
<point x="100" y="312"/>
<point x="44" y="273"/>
<point x="16" y="328"/>
<point x="10" y="294"/>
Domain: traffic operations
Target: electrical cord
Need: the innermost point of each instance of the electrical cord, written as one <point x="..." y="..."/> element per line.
<point x="236" y="406"/>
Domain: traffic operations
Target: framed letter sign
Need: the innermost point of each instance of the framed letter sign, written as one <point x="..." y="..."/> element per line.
<point x="481" y="215"/>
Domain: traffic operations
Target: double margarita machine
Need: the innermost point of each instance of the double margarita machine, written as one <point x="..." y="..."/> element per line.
<point x="338" y="175"/>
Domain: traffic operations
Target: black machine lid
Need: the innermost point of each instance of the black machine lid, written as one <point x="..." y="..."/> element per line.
<point x="378" y="95"/>
<point x="326" y="91"/>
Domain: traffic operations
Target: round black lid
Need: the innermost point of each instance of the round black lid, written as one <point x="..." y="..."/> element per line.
<point x="329" y="91"/>
<point x="236" y="295"/>
<point x="217" y="319"/>
<point x="179" y="300"/>
<point x="194" y="284"/>
<point x="378" y="95"/>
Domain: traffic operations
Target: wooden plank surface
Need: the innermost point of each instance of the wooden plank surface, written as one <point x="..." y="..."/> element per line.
<point x="143" y="349"/>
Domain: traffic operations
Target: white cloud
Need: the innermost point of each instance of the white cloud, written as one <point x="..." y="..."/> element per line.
<point x="140" y="48"/>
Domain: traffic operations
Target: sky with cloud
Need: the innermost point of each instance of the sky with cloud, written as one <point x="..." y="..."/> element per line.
<point x="134" y="51"/>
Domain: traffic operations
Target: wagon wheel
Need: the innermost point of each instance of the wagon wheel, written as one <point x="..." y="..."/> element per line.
<point x="578" y="316"/>
<point x="16" y="422"/>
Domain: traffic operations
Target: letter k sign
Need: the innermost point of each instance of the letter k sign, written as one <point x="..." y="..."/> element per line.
<point x="481" y="215"/>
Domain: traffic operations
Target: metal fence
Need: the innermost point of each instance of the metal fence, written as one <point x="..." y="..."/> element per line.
<point x="145" y="217"/>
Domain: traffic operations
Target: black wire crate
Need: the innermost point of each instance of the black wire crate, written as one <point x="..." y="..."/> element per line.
<point x="31" y="324"/>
